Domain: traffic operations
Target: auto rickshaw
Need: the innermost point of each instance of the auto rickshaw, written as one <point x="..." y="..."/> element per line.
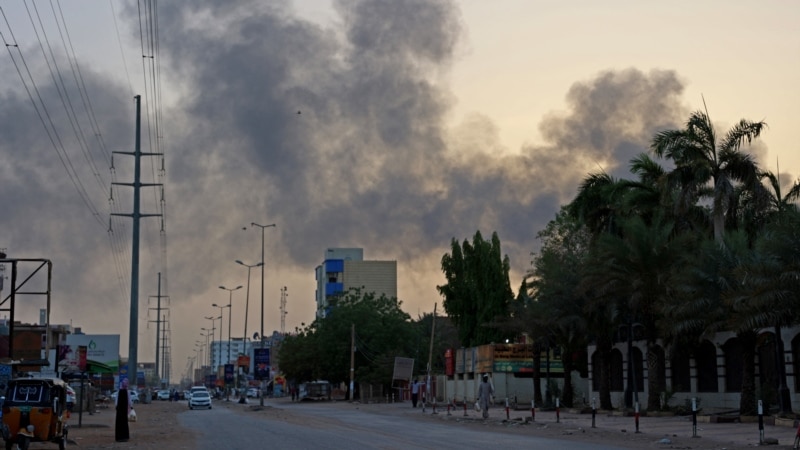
<point x="35" y="411"/>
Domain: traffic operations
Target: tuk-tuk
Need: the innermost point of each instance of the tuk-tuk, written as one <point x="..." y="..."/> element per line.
<point x="35" y="411"/>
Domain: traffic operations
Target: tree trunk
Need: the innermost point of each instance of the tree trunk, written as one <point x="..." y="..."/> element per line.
<point x="656" y="383"/>
<point x="747" y="399"/>
<point x="537" y="375"/>
<point x="568" y="392"/>
<point x="604" y="349"/>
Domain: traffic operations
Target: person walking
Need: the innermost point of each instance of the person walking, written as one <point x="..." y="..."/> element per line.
<point x="414" y="393"/>
<point x="123" y="410"/>
<point x="485" y="393"/>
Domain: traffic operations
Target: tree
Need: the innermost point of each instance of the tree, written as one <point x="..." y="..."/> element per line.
<point x="478" y="290"/>
<point x="554" y="281"/>
<point x="322" y="351"/>
<point x="445" y="337"/>
<point x="711" y="300"/>
<point x="705" y="167"/>
<point x="637" y="267"/>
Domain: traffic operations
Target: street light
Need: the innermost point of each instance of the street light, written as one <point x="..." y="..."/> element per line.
<point x="213" y="327"/>
<point x="230" y="313"/>
<point x="261" y="336"/>
<point x="198" y="347"/>
<point x="247" y="300"/>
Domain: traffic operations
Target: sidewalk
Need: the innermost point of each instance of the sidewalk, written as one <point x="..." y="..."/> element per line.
<point x="678" y="430"/>
<point x="669" y="432"/>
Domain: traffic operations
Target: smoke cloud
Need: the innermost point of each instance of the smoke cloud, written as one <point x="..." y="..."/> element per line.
<point x="337" y="133"/>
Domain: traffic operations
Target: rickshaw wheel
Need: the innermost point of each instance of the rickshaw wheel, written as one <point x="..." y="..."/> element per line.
<point x="23" y="442"/>
<point x="62" y="443"/>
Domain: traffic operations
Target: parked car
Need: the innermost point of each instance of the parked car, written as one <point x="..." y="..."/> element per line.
<point x="70" y="397"/>
<point x="200" y="399"/>
<point x="252" y="393"/>
<point x="163" y="394"/>
<point x="132" y="394"/>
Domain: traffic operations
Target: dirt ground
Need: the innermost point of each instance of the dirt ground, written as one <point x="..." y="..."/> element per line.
<point x="157" y="427"/>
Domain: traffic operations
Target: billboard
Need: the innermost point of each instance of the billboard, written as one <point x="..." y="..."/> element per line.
<point x="261" y="360"/>
<point x="100" y="348"/>
<point x="403" y="368"/>
<point x="512" y="358"/>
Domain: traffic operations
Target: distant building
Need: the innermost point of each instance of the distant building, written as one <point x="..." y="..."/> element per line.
<point x="345" y="268"/>
<point x="219" y="351"/>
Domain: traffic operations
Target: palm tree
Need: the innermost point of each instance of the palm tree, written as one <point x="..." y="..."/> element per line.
<point x="772" y="283"/>
<point x="710" y="300"/>
<point x="706" y="167"/>
<point x="637" y="267"/>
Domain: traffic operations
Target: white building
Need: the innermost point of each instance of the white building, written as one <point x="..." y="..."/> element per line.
<point x="345" y="268"/>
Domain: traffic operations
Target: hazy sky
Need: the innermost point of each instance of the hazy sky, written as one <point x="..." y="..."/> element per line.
<point x="419" y="121"/>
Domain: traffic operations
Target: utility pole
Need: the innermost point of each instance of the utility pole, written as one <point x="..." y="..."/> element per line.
<point x="159" y="340"/>
<point x="133" y="332"/>
<point x="284" y="294"/>
<point x="430" y="353"/>
<point x="352" y="359"/>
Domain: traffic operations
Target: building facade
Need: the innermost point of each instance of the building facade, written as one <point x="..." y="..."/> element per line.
<point x="343" y="269"/>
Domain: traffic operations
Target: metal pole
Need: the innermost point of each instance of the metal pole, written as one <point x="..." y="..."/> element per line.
<point x="133" y="332"/>
<point x="230" y="314"/>
<point x="353" y="362"/>
<point x="263" y="261"/>
<point x="158" y="328"/>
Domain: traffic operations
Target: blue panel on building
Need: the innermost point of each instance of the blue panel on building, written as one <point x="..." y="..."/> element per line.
<point x="334" y="265"/>
<point x="333" y="288"/>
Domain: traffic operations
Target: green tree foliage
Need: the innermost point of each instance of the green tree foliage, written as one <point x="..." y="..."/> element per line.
<point x="554" y="281"/>
<point x="445" y="337"/>
<point x="478" y="291"/>
<point x="708" y="168"/>
<point x="322" y="350"/>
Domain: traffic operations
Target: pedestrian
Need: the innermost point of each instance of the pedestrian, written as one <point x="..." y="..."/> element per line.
<point x="414" y="393"/>
<point x="121" y="430"/>
<point x="92" y="398"/>
<point x="485" y="393"/>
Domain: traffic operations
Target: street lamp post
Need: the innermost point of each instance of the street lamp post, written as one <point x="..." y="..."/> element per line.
<point x="261" y="336"/>
<point x="207" y="334"/>
<point x="243" y="396"/>
<point x="247" y="298"/>
<point x="230" y="313"/>
<point x="212" y="329"/>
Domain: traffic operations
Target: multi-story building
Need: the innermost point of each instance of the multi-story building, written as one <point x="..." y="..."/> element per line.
<point x="219" y="351"/>
<point x="345" y="268"/>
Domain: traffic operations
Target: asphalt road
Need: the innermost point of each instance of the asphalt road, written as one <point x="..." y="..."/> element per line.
<point x="327" y="426"/>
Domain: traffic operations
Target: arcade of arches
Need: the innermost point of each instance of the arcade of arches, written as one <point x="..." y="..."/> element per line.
<point x="710" y="370"/>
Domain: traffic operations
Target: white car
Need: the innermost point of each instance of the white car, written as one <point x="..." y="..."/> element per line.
<point x="252" y="393"/>
<point x="132" y="394"/>
<point x="163" y="394"/>
<point x="200" y="399"/>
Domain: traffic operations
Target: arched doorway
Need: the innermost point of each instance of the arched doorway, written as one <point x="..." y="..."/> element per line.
<point x="734" y="363"/>
<point x="680" y="374"/>
<point x="617" y="384"/>
<point x="706" y="361"/>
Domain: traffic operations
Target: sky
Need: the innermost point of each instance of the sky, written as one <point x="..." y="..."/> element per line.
<point x="390" y="125"/>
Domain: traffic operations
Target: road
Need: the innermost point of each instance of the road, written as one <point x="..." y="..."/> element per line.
<point x="338" y="425"/>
